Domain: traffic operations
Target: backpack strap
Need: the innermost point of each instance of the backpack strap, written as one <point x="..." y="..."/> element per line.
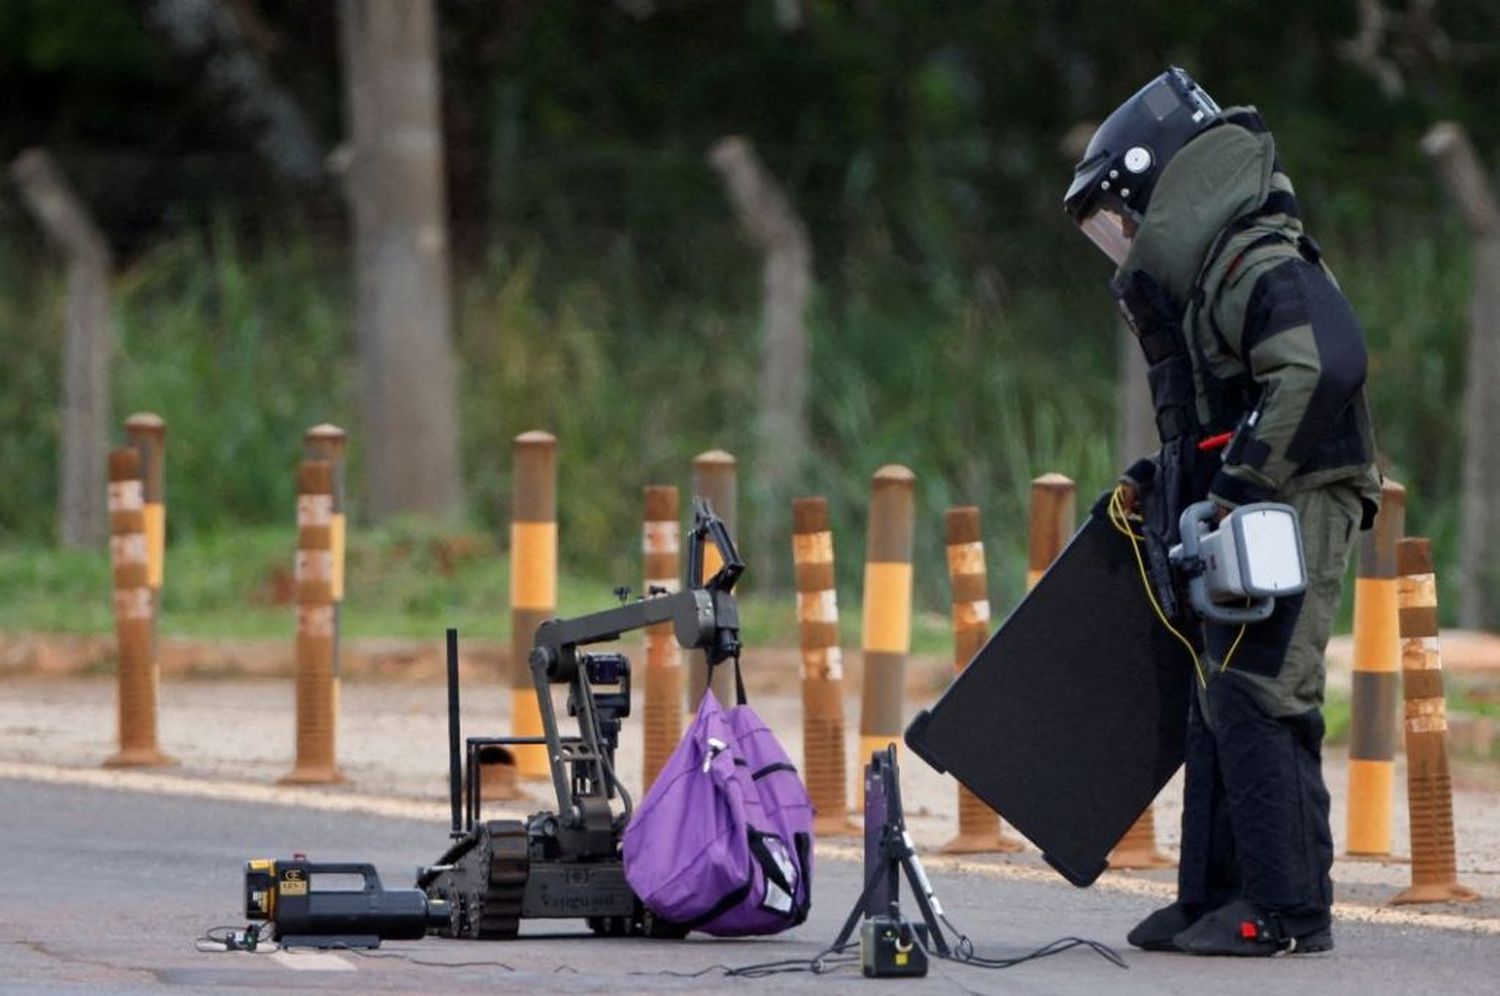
<point x="739" y="680"/>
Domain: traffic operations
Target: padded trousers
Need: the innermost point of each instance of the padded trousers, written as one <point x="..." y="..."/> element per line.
<point x="1255" y="808"/>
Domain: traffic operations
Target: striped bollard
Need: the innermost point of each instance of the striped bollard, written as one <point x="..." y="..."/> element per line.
<point x="714" y="478"/>
<point x="1429" y="786"/>
<point x="1377" y="658"/>
<point x="823" y="765"/>
<point x="1053" y="512"/>
<point x="661" y="541"/>
<point x="979" y="828"/>
<point x="328" y="442"/>
<point x="533" y="589"/>
<point x="136" y="671"/>
<point x="887" y="611"/>
<point x="147" y="434"/>
<point x="317" y="683"/>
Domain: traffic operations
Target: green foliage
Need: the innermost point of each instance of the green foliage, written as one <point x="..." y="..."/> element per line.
<point x="240" y="352"/>
<point x="31" y="336"/>
<point x="604" y="292"/>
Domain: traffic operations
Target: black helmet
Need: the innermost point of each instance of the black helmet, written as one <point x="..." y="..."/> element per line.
<point x="1130" y="149"/>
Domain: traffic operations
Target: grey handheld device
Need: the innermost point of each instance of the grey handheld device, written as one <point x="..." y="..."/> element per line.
<point x="1254" y="555"/>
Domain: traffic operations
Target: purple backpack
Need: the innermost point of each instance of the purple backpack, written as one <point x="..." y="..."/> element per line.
<point x="723" y="841"/>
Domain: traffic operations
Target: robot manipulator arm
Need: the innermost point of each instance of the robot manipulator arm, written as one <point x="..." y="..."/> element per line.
<point x="703" y="617"/>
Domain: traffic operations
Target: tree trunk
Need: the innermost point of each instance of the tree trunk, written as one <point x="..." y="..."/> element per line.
<point x="407" y="369"/>
<point x="1135" y="418"/>
<point x="781" y="426"/>
<point x="1470" y="189"/>
<point x="87" y="344"/>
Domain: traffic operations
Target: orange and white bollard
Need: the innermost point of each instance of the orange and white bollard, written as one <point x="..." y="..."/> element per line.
<point x="979" y="827"/>
<point x="823" y="763"/>
<point x="533" y="587"/>
<point x="317" y="680"/>
<point x="714" y="478"/>
<point x="1429" y="785"/>
<point x="136" y="672"/>
<point x="661" y="542"/>
<point x="1377" y="660"/>
<point x="147" y="434"/>
<point x="887" y="610"/>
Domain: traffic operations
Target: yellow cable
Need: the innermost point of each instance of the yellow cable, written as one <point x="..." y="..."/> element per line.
<point x="1233" y="647"/>
<point x="1118" y="518"/>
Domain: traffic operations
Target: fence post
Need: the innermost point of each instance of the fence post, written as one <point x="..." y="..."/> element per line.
<point x="714" y="478"/>
<point x="317" y="680"/>
<point x="88" y="343"/>
<point x="1377" y="658"/>
<point x="887" y="610"/>
<point x="136" y="671"/>
<point x="533" y="583"/>
<point x="1429" y="786"/>
<point x="661" y="542"/>
<point x="823" y="764"/>
<point x="979" y="827"/>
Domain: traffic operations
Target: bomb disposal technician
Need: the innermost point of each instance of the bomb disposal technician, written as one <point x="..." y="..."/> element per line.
<point x="1245" y="331"/>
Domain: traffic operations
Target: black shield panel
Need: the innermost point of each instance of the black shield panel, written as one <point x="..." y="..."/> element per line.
<point x="1073" y="716"/>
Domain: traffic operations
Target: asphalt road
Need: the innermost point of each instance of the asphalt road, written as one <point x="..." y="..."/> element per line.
<point x="104" y="891"/>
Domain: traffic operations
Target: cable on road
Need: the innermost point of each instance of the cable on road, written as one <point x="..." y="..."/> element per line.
<point x="831" y="959"/>
<point x="228" y="938"/>
<point x="399" y="956"/>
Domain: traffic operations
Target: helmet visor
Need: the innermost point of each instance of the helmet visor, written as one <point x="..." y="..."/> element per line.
<point x="1108" y="229"/>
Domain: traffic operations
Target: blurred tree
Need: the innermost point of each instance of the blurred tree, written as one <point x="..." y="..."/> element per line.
<point x="1413" y="46"/>
<point x="88" y="341"/>
<point x="786" y="281"/>
<point x="407" y="370"/>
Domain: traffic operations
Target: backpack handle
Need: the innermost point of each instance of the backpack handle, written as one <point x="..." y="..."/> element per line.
<point x="739" y="680"/>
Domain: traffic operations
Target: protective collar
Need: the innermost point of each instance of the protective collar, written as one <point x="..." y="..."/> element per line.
<point x="1219" y="176"/>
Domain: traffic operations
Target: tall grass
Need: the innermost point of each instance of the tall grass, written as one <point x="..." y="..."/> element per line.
<point x="977" y="382"/>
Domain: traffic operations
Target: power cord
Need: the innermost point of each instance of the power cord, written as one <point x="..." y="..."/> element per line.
<point x="964" y="953"/>
<point x="831" y="959"/>
<point x="399" y="956"/>
<point x="252" y="940"/>
<point x="1120" y="519"/>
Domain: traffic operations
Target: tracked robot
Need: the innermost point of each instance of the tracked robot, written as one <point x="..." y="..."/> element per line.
<point x="565" y="863"/>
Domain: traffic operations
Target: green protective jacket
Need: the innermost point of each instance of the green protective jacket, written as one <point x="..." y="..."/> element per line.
<point x="1268" y="331"/>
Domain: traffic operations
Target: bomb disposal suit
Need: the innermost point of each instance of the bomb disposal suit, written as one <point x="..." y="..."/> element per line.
<point x="1245" y="331"/>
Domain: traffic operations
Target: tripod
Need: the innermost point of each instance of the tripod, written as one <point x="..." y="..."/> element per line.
<point x="891" y="944"/>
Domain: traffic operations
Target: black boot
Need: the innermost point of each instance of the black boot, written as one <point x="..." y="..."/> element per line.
<point x="1155" y="933"/>
<point x="1240" y="929"/>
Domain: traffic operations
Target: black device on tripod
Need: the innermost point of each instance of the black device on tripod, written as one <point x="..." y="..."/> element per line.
<point x="890" y="945"/>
